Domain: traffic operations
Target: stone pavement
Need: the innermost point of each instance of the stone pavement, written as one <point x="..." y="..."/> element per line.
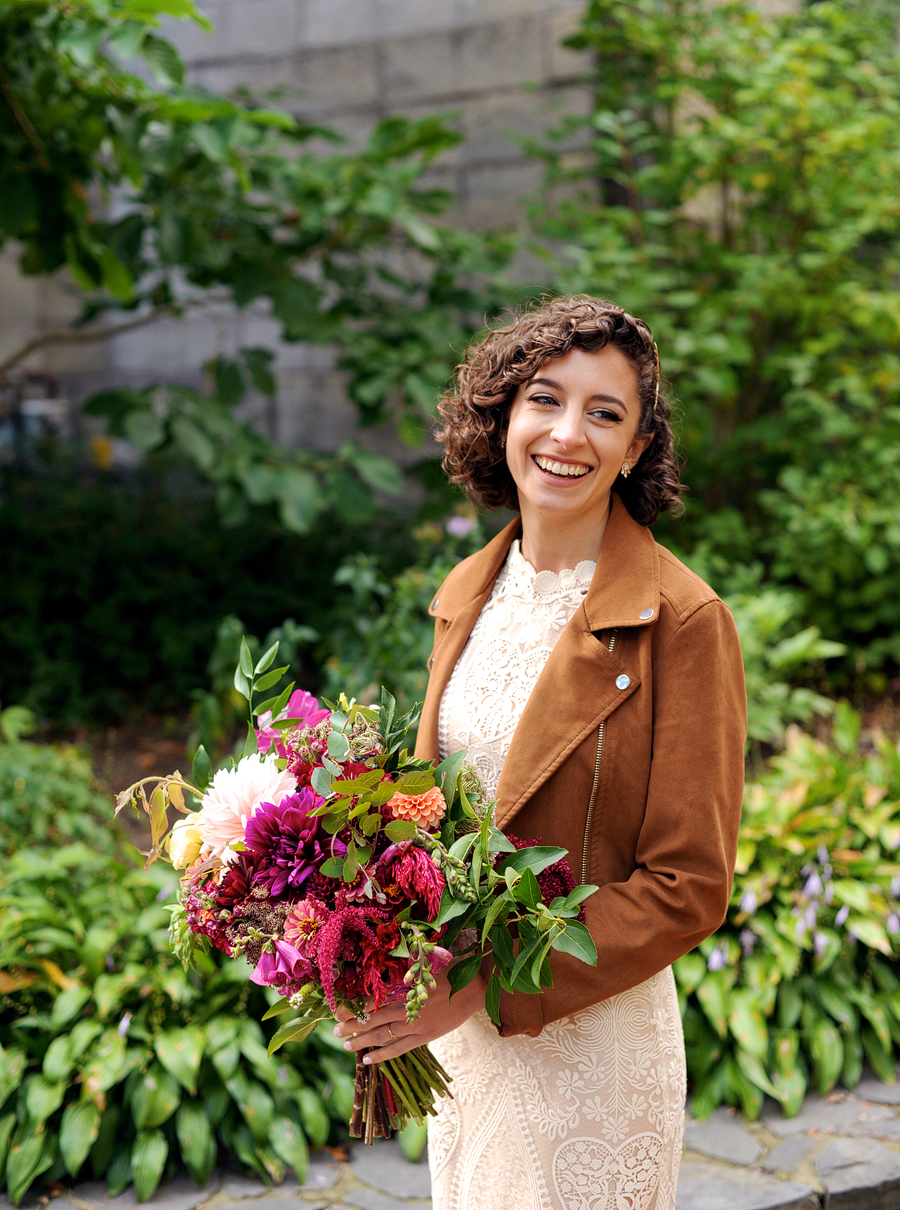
<point x="841" y="1152"/>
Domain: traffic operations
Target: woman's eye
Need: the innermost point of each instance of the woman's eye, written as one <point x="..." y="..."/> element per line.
<point x="606" y="415"/>
<point x="546" y="400"/>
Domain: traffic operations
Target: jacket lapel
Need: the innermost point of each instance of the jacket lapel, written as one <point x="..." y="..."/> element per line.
<point x="577" y="688"/>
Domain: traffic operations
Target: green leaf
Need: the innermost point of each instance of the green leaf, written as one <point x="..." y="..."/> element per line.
<point x="417" y="781"/>
<point x="268" y="679"/>
<point x="301" y="499"/>
<point x="314" y="1116"/>
<point x="827" y="1050"/>
<point x="576" y="939"/>
<point x="294" y="1031"/>
<point x="67" y="1005"/>
<point x="527" y="890"/>
<point x="492" y="999"/>
<point x="201" y="769"/>
<point x="246" y="659"/>
<point x="320" y="781"/>
<point x="180" y="1051"/>
<point x="12" y="1065"/>
<point x="30" y="1154"/>
<point x="713" y="996"/>
<point x="501" y="943"/>
<point x="754" y="1070"/>
<point x="57" y="1062"/>
<point x="148" y="1158"/>
<point x="536" y="858"/>
<point x="747" y="1023"/>
<point x="338" y="746"/>
<point x="196" y="1140"/>
<point x="155" y="1098"/>
<point x="289" y="1143"/>
<point x="400" y="829"/>
<point x="78" y="1129"/>
<point x="450" y="908"/>
<point x="43" y="1098"/>
<point x="463" y="972"/>
<point x="166" y="64"/>
<point x="241" y="683"/>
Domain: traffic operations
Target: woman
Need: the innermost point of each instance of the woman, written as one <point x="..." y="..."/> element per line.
<point x="598" y="686"/>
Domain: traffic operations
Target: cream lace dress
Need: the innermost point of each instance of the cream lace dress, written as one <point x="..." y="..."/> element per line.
<point x="589" y="1115"/>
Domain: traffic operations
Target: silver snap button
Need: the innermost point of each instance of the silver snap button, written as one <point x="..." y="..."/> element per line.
<point x="434" y="603"/>
<point x="623" y="681"/>
<point x="645" y="614"/>
<point x="431" y="662"/>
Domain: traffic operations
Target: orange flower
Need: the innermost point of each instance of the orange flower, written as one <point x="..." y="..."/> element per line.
<point x="425" y="810"/>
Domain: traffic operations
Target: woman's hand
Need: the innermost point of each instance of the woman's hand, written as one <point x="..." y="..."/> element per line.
<point x="393" y="1035"/>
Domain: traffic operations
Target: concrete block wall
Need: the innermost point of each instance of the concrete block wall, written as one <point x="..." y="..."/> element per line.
<point x="496" y="64"/>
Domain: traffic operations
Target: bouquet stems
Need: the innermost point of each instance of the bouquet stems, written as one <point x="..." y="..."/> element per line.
<point x="387" y="1093"/>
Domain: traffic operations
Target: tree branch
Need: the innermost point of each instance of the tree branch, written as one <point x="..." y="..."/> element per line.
<point x="68" y="336"/>
<point x="23" y="119"/>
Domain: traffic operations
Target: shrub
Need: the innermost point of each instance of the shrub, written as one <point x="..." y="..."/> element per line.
<point x="116" y="1062"/>
<point x="47" y="793"/>
<point x="799" y="986"/>
<point x="737" y="184"/>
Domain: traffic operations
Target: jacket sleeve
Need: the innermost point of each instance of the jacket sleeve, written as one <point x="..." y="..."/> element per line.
<point x="679" y="891"/>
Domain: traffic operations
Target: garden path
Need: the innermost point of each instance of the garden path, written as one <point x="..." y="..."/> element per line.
<point x="841" y="1152"/>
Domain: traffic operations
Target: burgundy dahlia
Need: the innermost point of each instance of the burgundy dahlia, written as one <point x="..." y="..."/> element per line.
<point x="411" y="871"/>
<point x="289" y="841"/>
<point x="236" y="882"/>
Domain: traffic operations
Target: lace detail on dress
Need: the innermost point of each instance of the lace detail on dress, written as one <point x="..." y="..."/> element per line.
<point x="590" y="1115"/>
<point x="503" y="658"/>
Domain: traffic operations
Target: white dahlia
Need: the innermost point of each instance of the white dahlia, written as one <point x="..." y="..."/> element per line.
<point x="233" y="797"/>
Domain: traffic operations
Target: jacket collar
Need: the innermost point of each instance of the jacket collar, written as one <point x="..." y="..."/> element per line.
<point x="624" y="590"/>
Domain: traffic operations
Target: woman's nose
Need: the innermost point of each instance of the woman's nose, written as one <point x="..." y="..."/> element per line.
<point x="568" y="430"/>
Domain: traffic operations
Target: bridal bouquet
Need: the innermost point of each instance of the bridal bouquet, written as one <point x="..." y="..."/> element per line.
<point x="348" y="872"/>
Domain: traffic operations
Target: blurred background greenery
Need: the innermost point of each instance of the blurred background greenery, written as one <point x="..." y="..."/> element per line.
<point x="737" y="182"/>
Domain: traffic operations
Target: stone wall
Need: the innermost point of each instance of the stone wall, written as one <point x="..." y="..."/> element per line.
<point x="496" y="64"/>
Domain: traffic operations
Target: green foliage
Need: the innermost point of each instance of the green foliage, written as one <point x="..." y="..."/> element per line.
<point x="48" y="795"/>
<point x="741" y="188"/>
<point x="381" y="633"/>
<point x="223" y="200"/>
<point x="111" y="590"/>
<point x="116" y="1062"/>
<point x="799" y="986"/>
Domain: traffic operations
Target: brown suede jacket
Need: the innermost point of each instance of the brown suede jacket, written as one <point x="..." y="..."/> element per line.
<point x="629" y="753"/>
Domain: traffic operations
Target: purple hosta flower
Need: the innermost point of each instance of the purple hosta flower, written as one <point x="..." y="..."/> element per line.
<point x="895" y="886"/>
<point x="893" y="923"/>
<point x="800" y="928"/>
<point x="110" y="963"/>
<point x="841" y="918"/>
<point x="749" y="902"/>
<point x="822" y="855"/>
<point x="289" y="842"/>
<point x="820" y="943"/>
<point x="813" y="885"/>
<point x="809" y="916"/>
<point x="718" y="959"/>
<point x="459" y="527"/>
<point x="748" y="941"/>
<point x="284" y="968"/>
<point x="124" y="1025"/>
<point x="829" y="892"/>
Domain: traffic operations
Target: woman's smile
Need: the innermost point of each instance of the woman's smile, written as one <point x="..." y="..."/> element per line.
<point x="571" y="428"/>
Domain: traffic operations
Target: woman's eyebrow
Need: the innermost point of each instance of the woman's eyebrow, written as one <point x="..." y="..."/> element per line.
<point x="556" y="386"/>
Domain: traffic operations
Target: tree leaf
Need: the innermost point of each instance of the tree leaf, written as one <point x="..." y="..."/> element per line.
<point x="576" y="939"/>
<point x="78" y="1130"/>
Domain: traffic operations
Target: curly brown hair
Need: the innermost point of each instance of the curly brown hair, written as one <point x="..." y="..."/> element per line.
<point x="475" y="411"/>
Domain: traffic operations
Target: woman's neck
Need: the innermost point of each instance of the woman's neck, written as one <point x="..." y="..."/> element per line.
<point x="557" y="544"/>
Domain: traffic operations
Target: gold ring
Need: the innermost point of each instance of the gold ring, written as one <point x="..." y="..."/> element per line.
<point x="391" y="1032"/>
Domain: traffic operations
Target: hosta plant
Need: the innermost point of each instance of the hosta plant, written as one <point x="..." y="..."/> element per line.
<point x="799" y="987"/>
<point x="116" y="1063"/>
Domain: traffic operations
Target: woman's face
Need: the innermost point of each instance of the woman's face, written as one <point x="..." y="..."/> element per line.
<point x="570" y="429"/>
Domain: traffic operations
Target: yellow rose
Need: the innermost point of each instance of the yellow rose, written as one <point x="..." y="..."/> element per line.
<point x="184" y="842"/>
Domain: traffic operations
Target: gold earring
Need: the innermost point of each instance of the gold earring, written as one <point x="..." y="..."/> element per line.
<point x="626" y="470"/>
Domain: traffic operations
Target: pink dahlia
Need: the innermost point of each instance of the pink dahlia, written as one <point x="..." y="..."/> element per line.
<point x="302" y="706"/>
<point x="233" y="796"/>
<point x="290" y="841"/>
<point x="303" y="922"/>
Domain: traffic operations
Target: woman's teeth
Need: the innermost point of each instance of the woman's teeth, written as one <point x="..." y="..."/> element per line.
<point x="559" y="468"/>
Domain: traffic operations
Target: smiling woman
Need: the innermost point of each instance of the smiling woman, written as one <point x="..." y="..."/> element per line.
<point x="598" y="687"/>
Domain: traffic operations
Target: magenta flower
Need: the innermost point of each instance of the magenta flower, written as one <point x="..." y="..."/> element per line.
<point x="290" y="842"/>
<point x="301" y="705"/>
<point x="282" y="968"/>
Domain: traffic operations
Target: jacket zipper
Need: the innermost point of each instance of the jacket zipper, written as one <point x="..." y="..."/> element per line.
<point x="590" y="811"/>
